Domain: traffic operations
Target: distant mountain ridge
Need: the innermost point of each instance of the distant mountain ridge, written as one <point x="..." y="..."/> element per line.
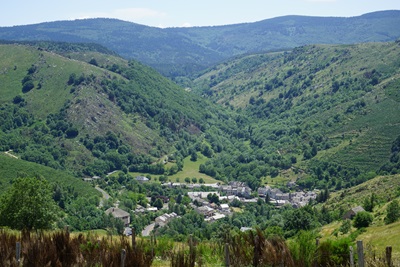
<point x="179" y="51"/>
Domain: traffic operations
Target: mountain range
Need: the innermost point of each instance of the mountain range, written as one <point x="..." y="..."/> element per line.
<point x="181" y="51"/>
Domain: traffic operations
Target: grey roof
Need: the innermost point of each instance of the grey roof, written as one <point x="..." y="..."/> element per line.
<point x="357" y="209"/>
<point x="117" y="212"/>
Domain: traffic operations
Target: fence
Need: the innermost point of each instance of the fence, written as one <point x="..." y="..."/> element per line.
<point x="129" y="253"/>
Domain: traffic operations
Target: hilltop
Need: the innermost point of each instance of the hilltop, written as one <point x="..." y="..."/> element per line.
<point x="181" y="51"/>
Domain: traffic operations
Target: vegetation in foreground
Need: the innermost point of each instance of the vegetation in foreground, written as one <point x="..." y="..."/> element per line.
<point x="251" y="248"/>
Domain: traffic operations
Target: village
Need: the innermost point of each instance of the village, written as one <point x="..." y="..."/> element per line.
<point x="216" y="203"/>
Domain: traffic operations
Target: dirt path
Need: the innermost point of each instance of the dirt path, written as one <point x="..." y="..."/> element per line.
<point x="10" y="155"/>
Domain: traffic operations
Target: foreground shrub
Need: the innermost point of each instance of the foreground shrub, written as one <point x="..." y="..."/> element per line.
<point x="60" y="249"/>
<point x="252" y="248"/>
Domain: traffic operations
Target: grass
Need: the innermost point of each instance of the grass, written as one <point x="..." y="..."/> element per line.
<point x="379" y="237"/>
<point x="191" y="169"/>
<point x="385" y="188"/>
<point x="279" y="180"/>
<point x="11" y="168"/>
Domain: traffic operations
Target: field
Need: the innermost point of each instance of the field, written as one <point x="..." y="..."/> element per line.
<point x="190" y="169"/>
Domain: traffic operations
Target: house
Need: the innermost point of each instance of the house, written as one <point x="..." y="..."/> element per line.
<point x="267" y="190"/>
<point x="120" y="214"/>
<point x="152" y="209"/>
<point x="142" y="179"/>
<point x="165" y="218"/>
<point x="352" y="212"/>
<point x="282" y="196"/>
<point x="205" y="210"/>
<point x="201" y="195"/>
<point x="279" y="203"/>
<point x="237" y="189"/>
<point x="224" y="207"/>
<point x="216" y="216"/>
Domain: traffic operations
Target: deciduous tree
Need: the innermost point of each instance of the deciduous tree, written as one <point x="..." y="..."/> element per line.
<point x="28" y="204"/>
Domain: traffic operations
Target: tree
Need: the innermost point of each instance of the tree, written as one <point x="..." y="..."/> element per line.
<point x="392" y="212"/>
<point x="345" y="227"/>
<point x="369" y="203"/>
<point x="201" y="180"/>
<point x="193" y="156"/>
<point x="267" y="199"/>
<point x="362" y="219"/>
<point x="158" y="203"/>
<point x="28" y="204"/>
<point x="27" y="86"/>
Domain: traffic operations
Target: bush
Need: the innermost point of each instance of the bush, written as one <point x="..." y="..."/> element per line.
<point x="362" y="219"/>
<point x="393" y="212"/>
<point x="27" y="86"/>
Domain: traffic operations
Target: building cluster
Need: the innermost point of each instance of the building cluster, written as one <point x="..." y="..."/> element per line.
<point x="203" y="202"/>
<point x="234" y="188"/>
<point x="277" y="197"/>
<point x="165" y="218"/>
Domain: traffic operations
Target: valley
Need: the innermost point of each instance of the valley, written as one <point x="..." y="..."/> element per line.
<point x="281" y="138"/>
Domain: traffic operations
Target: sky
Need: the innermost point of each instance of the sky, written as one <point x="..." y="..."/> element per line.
<point x="182" y="13"/>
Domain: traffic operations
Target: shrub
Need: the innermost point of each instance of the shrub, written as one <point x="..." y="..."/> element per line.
<point x="393" y="212"/>
<point x="362" y="219"/>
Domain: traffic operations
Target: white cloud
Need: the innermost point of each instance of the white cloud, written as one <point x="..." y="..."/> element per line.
<point x="186" y="24"/>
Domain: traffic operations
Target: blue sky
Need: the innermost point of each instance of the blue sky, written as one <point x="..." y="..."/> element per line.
<point x="180" y="13"/>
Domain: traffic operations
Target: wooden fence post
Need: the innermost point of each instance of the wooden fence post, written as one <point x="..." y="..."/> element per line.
<point x="123" y="257"/>
<point x="351" y="257"/>
<point x="18" y="253"/>
<point x="227" y="261"/>
<point x="360" y="253"/>
<point x="389" y="256"/>
<point x="190" y="241"/>
<point x="256" y="255"/>
<point x="152" y="246"/>
<point x="133" y="238"/>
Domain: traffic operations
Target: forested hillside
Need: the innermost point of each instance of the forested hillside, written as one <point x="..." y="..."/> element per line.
<point x="322" y="115"/>
<point x="331" y="111"/>
<point x="89" y="113"/>
<point x="181" y="51"/>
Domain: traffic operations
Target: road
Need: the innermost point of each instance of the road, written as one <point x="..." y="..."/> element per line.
<point x="105" y="195"/>
<point x="148" y="229"/>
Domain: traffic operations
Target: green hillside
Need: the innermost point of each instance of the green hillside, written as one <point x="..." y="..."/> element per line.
<point x="12" y="168"/>
<point x="378" y="235"/>
<point x="322" y="115"/>
<point x="181" y="51"/>
<point x="322" y="107"/>
<point x="93" y="112"/>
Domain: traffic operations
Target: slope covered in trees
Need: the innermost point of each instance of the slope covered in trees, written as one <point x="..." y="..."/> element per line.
<point x="320" y="114"/>
<point x="330" y="110"/>
<point x="72" y="108"/>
